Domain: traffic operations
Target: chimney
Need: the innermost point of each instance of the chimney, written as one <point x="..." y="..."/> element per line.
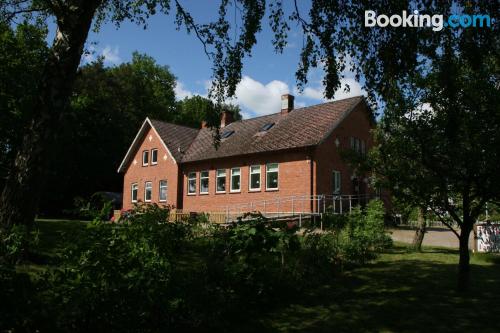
<point x="226" y="118"/>
<point x="204" y="124"/>
<point x="286" y="103"/>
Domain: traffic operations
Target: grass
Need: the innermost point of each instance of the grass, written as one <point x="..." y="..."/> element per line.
<point x="401" y="291"/>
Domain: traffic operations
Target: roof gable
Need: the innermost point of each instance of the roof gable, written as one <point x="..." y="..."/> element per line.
<point x="175" y="138"/>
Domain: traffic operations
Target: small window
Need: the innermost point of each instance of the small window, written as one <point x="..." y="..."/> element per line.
<point x="154" y="156"/>
<point x="266" y="127"/>
<point x="226" y="134"/>
<point x="163" y="190"/>
<point x="148" y="191"/>
<point x="204" y="177"/>
<point x="235" y="179"/>
<point x="145" y="157"/>
<point x="336" y="182"/>
<point x="272" y="176"/>
<point x="192" y="183"/>
<point x="135" y="189"/>
<point x="254" y="177"/>
<point x="221" y="181"/>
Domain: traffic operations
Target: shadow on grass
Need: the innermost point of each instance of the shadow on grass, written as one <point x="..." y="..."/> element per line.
<point x="395" y="295"/>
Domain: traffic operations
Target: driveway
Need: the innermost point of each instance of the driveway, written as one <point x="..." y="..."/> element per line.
<point x="433" y="237"/>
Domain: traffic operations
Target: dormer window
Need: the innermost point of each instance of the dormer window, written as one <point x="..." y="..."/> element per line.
<point x="145" y="158"/>
<point x="266" y="127"/>
<point x="154" y="156"/>
<point x="226" y="134"/>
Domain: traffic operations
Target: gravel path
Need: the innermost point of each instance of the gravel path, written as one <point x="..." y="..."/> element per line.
<point x="433" y="237"/>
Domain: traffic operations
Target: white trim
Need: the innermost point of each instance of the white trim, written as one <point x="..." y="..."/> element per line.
<point x="132" y="192"/>
<point x="188" y="179"/>
<point x="278" y="172"/>
<point x="145" y="187"/>
<point x="166" y="190"/>
<point x="207" y="177"/>
<point x="217" y="180"/>
<point x="231" y="181"/>
<point x="144" y="152"/>
<point x="151" y="153"/>
<point x="134" y="144"/>
<point x="250" y="189"/>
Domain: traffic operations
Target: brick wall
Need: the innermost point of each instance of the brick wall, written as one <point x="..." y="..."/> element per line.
<point x="166" y="169"/>
<point x="294" y="179"/>
<point x="328" y="157"/>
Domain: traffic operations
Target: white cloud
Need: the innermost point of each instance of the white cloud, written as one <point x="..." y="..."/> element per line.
<point x="111" y="55"/>
<point x="258" y="98"/>
<point x="181" y="92"/>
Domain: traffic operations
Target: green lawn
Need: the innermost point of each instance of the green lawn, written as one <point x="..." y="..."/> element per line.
<point x="400" y="292"/>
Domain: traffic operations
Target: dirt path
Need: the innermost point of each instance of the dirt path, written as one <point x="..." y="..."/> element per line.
<point x="433" y="237"/>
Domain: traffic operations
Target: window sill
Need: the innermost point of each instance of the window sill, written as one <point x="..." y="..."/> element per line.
<point x="239" y="191"/>
<point x="154" y="163"/>
<point x="254" y="190"/>
<point x="163" y="200"/>
<point x="191" y="194"/>
<point x="272" y="189"/>
<point x="204" y="193"/>
<point x="220" y="192"/>
<point x="147" y="200"/>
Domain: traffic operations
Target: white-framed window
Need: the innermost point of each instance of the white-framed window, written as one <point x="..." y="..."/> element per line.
<point x="163" y="190"/>
<point x="221" y="181"/>
<point x="148" y="191"/>
<point x="145" y="157"/>
<point x="154" y="156"/>
<point x="254" y="181"/>
<point x="272" y="175"/>
<point x="336" y="182"/>
<point x="235" y="179"/>
<point x="204" y="180"/>
<point x="134" y="191"/>
<point x="192" y="183"/>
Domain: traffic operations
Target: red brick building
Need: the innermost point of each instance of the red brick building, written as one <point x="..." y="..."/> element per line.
<point x="292" y="153"/>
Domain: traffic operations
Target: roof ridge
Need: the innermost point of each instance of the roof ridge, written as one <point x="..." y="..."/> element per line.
<point x="174" y="124"/>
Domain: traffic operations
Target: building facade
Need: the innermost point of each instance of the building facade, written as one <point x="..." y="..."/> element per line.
<point x="260" y="163"/>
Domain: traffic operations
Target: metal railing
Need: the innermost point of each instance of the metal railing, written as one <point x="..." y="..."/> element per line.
<point x="310" y="205"/>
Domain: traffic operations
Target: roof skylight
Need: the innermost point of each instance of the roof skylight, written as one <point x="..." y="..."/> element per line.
<point x="226" y="134"/>
<point x="266" y="127"/>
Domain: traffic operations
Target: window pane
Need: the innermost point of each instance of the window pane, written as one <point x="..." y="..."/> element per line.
<point x="148" y="191"/>
<point x="154" y="156"/>
<point x="145" y="157"/>
<point x="221" y="180"/>
<point x="235" y="179"/>
<point x="255" y="177"/>
<point x="134" y="192"/>
<point x="163" y="190"/>
<point x="272" y="176"/>
<point x="204" y="182"/>
<point x="192" y="182"/>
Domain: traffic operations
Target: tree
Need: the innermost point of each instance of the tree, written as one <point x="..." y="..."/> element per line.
<point x="334" y="34"/>
<point x="438" y="142"/>
<point x="192" y="111"/>
<point x="106" y="108"/>
<point x="22" y="52"/>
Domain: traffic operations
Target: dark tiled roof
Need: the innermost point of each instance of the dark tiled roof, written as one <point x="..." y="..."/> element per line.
<point x="300" y="128"/>
<point x="176" y="137"/>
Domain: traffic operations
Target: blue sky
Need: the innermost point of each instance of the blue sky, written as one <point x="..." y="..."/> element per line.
<point x="266" y="75"/>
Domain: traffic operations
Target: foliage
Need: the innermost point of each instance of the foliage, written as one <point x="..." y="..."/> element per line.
<point x="192" y="111"/>
<point x="15" y="244"/>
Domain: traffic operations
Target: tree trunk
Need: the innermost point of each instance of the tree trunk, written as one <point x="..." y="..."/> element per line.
<point x="25" y="182"/>
<point x="463" y="264"/>
<point x="421" y="229"/>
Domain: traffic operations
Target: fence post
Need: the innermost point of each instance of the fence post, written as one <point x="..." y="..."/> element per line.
<point x="340" y="201"/>
<point x="350" y="203"/>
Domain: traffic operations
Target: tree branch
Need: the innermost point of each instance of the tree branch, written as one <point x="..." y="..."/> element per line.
<point x="189" y="22"/>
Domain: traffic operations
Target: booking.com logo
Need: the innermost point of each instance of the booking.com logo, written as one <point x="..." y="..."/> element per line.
<point x="416" y="20"/>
